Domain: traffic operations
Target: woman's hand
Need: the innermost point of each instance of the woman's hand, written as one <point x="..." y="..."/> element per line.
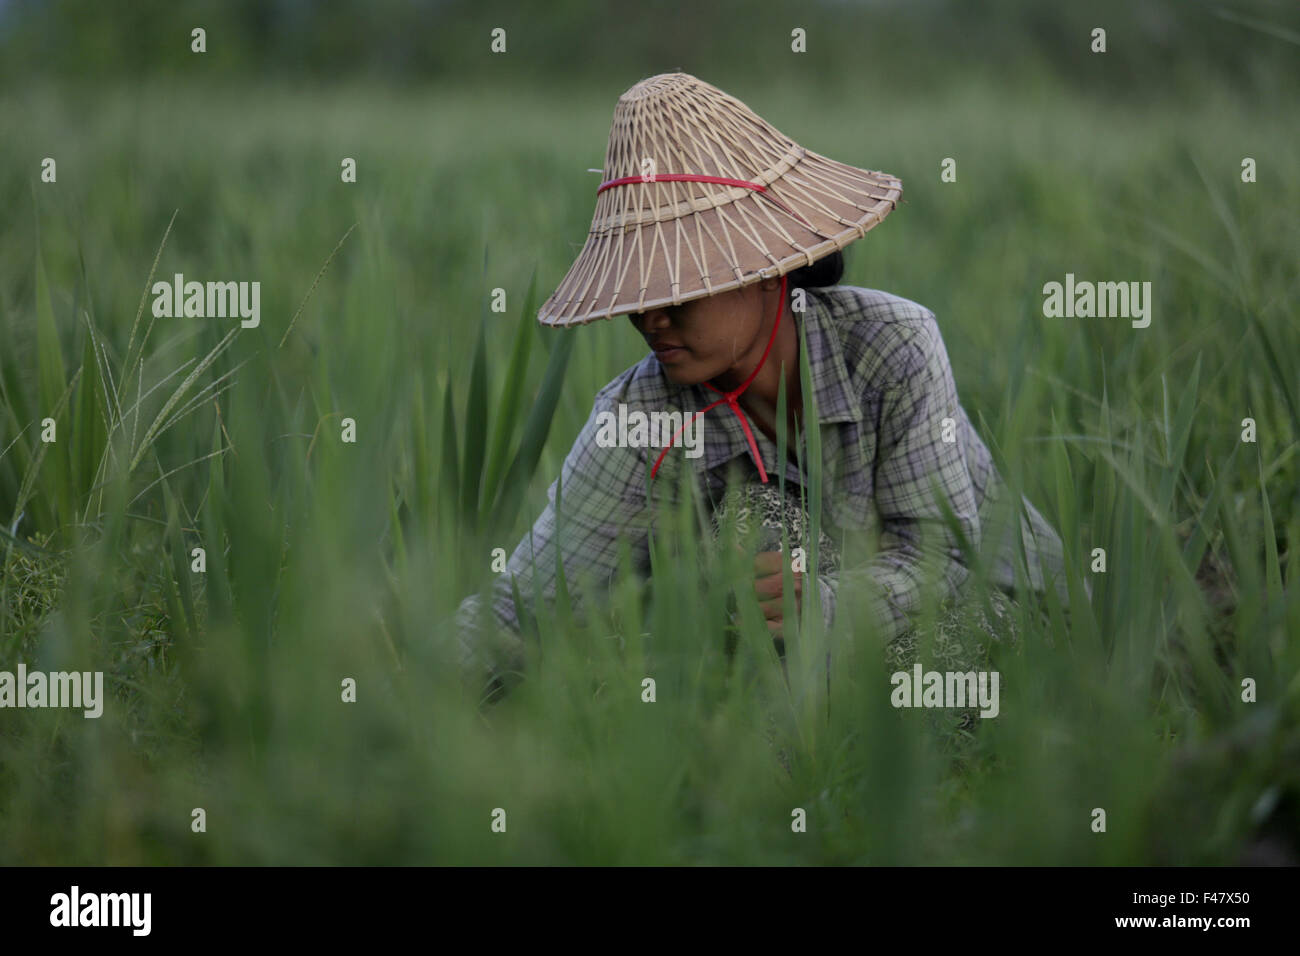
<point x="768" y="566"/>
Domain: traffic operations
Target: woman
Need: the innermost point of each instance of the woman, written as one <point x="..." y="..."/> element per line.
<point x="720" y="238"/>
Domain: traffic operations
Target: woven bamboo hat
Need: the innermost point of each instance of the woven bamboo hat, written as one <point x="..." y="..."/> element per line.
<point x="700" y="195"/>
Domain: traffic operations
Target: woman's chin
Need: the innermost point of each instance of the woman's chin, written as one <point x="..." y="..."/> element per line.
<point x="684" y="375"/>
<point x="686" y="369"/>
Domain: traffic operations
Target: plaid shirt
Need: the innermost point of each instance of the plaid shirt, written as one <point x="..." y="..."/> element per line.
<point x="884" y="388"/>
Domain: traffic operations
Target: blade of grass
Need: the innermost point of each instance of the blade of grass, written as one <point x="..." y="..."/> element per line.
<point x="1177" y="438"/>
<point x="476" y="419"/>
<point x="512" y="397"/>
<point x="29" y="479"/>
<point x="179" y="586"/>
<point x="1272" y="568"/>
<point x="1194" y="550"/>
<point x="156" y="428"/>
<point x="319" y="275"/>
<point x="536" y="428"/>
<point x="52" y="380"/>
<point x="144" y="296"/>
<point x="450" y="479"/>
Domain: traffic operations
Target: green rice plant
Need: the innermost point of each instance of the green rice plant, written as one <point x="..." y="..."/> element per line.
<point x="477" y="471"/>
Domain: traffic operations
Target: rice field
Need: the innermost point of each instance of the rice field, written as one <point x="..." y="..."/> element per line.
<point x="326" y="560"/>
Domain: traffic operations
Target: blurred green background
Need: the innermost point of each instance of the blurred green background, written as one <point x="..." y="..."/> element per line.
<point x="328" y="560"/>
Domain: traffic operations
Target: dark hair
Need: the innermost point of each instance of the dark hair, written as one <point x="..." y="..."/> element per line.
<point x="823" y="272"/>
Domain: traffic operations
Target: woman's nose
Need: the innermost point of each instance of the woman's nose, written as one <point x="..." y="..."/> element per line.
<point x="653" y="320"/>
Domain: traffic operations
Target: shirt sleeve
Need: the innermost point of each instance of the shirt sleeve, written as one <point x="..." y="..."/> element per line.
<point x="602" y="503"/>
<point x="921" y="461"/>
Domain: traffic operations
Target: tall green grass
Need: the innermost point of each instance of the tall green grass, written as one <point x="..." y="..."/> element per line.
<point x="327" y="560"/>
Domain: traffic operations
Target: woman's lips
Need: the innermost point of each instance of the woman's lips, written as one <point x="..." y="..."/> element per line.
<point x="670" y="353"/>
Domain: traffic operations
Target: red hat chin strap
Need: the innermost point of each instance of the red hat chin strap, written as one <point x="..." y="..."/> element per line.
<point x="730" y="399"/>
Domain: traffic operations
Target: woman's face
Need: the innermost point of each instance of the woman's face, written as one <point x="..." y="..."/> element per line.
<point x="701" y="339"/>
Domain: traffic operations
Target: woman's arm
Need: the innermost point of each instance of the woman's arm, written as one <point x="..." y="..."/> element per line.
<point x="602" y="503"/>
<point x="915" y="470"/>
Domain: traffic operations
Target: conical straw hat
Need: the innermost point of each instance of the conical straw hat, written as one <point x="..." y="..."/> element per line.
<point x="660" y="237"/>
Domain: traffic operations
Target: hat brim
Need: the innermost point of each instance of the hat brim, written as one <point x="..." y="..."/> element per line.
<point x="665" y="243"/>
